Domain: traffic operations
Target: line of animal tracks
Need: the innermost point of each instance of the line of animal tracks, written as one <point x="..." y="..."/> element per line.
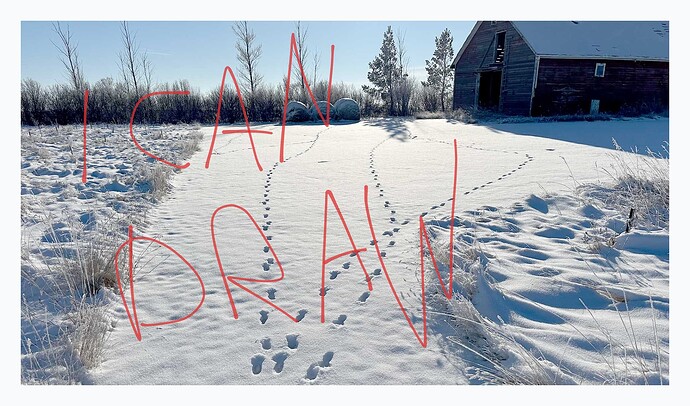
<point x="278" y="336"/>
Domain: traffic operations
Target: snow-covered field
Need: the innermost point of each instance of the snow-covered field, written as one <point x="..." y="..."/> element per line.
<point x="547" y="286"/>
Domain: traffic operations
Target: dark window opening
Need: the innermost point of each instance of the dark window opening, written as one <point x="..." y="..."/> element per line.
<point x="599" y="70"/>
<point x="489" y="90"/>
<point x="500" y="47"/>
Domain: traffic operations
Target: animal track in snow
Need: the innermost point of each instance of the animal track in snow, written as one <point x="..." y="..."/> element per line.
<point x="279" y="359"/>
<point x="301" y="314"/>
<point x="340" y="321"/>
<point x="334" y="274"/>
<point x="264" y="316"/>
<point x="313" y="370"/>
<point x="292" y="342"/>
<point x="257" y="362"/>
<point x="266" y="343"/>
<point x="271" y="293"/>
<point x="327" y="358"/>
<point x="363" y="297"/>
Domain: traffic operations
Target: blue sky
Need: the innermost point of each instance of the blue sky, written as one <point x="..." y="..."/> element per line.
<point x="199" y="50"/>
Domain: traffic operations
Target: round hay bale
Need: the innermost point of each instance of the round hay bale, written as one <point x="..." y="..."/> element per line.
<point x="297" y="112"/>
<point x="347" y="109"/>
<point x="322" y="106"/>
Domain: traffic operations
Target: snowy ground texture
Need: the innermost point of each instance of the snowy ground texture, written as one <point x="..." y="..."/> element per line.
<point x="70" y="231"/>
<point x="548" y="287"/>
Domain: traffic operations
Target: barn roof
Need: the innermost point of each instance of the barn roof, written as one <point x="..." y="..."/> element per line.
<point x="638" y="40"/>
<point x="597" y="39"/>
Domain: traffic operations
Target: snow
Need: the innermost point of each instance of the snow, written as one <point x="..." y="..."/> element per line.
<point x="640" y="40"/>
<point x="549" y="301"/>
<point x="63" y="219"/>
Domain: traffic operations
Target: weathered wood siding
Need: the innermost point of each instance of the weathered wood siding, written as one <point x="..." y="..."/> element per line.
<point x="517" y="68"/>
<point x="567" y="86"/>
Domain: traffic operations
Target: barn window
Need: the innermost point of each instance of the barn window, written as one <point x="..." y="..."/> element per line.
<point x="500" y="53"/>
<point x="599" y="70"/>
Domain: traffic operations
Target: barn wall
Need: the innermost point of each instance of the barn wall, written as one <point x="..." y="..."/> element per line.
<point x="517" y="68"/>
<point x="567" y="86"/>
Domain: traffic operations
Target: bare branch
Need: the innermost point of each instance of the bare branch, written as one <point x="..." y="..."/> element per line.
<point x="248" y="54"/>
<point x="130" y="65"/>
<point x="69" y="57"/>
<point x="303" y="53"/>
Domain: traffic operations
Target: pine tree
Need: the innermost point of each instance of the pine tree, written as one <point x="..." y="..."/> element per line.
<point x="384" y="71"/>
<point x="439" y="69"/>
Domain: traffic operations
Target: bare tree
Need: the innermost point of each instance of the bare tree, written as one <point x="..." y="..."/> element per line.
<point x="302" y="53"/>
<point x="248" y="54"/>
<point x="317" y="59"/>
<point x="69" y="57"/>
<point x="403" y="59"/>
<point x="404" y="86"/>
<point x="147" y="72"/>
<point x="34" y="100"/>
<point x="131" y="60"/>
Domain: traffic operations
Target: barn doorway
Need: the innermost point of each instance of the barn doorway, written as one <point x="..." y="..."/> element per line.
<point x="489" y="90"/>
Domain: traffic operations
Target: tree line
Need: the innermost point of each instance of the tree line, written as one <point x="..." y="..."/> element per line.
<point x="391" y="92"/>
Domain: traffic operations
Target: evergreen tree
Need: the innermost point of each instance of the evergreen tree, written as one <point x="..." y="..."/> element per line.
<point x="384" y="72"/>
<point x="438" y="69"/>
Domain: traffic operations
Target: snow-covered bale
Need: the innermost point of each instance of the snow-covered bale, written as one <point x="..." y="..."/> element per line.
<point x="297" y="112"/>
<point x="347" y="109"/>
<point x="323" y="105"/>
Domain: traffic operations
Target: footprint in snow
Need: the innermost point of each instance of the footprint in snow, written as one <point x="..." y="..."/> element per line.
<point x="334" y="274"/>
<point x="264" y="316"/>
<point x="271" y="293"/>
<point x="292" y="342"/>
<point x="257" y="362"/>
<point x="313" y="370"/>
<point x="340" y="320"/>
<point x="279" y="359"/>
<point x="266" y="343"/>
<point x="363" y="297"/>
<point x="301" y="314"/>
<point x="327" y="358"/>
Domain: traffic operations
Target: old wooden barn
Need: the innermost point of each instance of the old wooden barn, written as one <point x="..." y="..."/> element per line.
<point x="563" y="67"/>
